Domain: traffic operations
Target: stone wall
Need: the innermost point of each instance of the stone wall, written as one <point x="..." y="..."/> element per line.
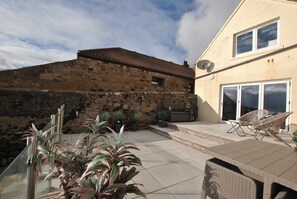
<point x="85" y="74"/>
<point x="18" y="108"/>
<point x="85" y="86"/>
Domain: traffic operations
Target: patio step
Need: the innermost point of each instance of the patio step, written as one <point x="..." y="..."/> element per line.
<point x="200" y="133"/>
<point x="193" y="141"/>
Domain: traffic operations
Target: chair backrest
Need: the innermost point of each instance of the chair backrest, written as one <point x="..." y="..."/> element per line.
<point x="166" y="105"/>
<point x="273" y="123"/>
<point x="253" y="116"/>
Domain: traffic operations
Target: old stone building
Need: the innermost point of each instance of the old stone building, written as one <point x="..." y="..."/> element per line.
<point x="104" y="70"/>
<point x="99" y="79"/>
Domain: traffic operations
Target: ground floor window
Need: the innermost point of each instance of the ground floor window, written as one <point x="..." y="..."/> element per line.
<point x="238" y="99"/>
<point x="158" y="81"/>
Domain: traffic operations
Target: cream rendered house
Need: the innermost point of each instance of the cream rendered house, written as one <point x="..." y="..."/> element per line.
<point x="251" y="63"/>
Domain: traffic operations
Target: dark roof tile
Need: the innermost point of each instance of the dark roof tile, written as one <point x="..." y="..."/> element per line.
<point x="134" y="59"/>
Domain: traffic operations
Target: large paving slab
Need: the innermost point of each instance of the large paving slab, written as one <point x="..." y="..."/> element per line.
<point x="170" y="169"/>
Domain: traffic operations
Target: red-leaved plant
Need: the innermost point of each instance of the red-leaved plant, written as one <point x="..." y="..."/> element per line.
<point x="93" y="168"/>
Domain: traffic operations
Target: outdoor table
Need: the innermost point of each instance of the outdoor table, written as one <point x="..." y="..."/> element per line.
<point x="265" y="162"/>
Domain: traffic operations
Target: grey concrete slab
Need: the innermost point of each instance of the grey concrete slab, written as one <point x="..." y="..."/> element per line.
<point x="188" y="189"/>
<point x="170" y="174"/>
<point x="172" y="144"/>
<point x="162" y="194"/>
<point x="192" y="167"/>
<point x="198" y="162"/>
<point x="153" y="160"/>
<point x="170" y="170"/>
<point x="179" y="154"/>
<point x="150" y="183"/>
<point x="154" y="147"/>
<point x="189" y="151"/>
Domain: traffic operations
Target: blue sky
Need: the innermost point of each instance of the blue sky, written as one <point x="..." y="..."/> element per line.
<point x="35" y="32"/>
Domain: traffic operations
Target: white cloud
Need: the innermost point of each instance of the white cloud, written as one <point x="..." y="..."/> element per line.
<point x="198" y="27"/>
<point x="40" y="31"/>
<point x="18" y="56"/>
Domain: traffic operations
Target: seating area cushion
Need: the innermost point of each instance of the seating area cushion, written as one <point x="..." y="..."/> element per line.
<point x="177" y="112"/>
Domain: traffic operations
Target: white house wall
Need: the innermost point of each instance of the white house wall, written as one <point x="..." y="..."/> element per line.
<point x="276" y="63"/>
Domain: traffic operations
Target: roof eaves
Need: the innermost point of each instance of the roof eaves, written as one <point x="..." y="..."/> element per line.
<point x="287" y="1"/>
<point x="223" y="27"/>
<point x="135" y="66"/>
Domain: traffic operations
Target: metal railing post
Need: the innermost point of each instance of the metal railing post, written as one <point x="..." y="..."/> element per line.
<point x="31" y="169"/>
<point x="58" y="124"/>
<point x="52" y="132"/>
<point x="62" y="118"/>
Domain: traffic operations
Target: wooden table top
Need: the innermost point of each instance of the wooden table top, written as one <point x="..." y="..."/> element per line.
<point x="267" y="161"/>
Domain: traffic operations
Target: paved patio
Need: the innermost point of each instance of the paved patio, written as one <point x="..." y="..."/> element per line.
<point x="170" y="170"/>
<point x="219" y="130"/>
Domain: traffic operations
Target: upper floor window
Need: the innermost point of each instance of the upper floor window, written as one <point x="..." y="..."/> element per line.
<point x="258" y="38"/>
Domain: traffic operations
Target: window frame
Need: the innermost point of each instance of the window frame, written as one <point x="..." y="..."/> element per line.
<point x="261" y="104"/>
<point x="255" y="38"/>
<point x="158" y="81"/>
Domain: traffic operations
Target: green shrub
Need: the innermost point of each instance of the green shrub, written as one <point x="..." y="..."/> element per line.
<point x="104" y="116"/>
<point x="117" y="116"/>
<point x="162" y="115"/>
<point x="135" y="117"/>
<point x="95" y="126"/>
<point x="295" y="136"/>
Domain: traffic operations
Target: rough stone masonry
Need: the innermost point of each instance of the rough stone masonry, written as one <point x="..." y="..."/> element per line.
<point x="86" y="86"/>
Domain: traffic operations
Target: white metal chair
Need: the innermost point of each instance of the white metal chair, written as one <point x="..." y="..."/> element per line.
<point x="271" y="125"/>
<point x="246" y="120"/>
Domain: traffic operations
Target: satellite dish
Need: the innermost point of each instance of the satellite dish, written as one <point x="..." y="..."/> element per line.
<point x="203" y="64"/>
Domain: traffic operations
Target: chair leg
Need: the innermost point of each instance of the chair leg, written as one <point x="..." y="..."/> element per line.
<point x="241" y="135"/>
<point x="250" y="128"/>
<point x="233" y="128"/>
<point x="264" y="135"/>
<point x="280" y="139"/>
<point x="256" y="133"/>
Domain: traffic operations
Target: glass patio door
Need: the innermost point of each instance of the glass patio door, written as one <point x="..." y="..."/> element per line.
<point x="275" y="98"/>
<point x="229" y="102"/>
<point x="237" y="100"/>
<point x="249" y="98"/>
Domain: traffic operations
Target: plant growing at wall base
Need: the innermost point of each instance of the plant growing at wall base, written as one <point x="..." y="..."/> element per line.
<point x="134" y="120"/>
<point x="96" y="126"/>
<point x="104" y="116"/>
<point x="117" y="118"/>
<point x="162" y="117"/>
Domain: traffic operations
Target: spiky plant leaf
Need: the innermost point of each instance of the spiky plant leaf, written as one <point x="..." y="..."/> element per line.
<point x="115" y="170"/>
<point x="134" y="189"/>
<point x="121" y="131"/>
<point x="50" y="175"/>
